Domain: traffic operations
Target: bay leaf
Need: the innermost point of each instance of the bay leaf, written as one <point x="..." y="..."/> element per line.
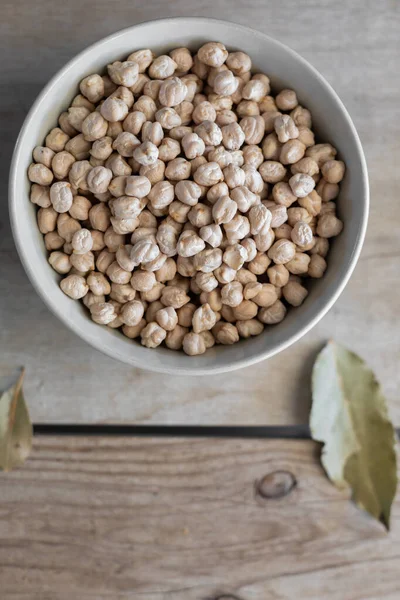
<point x="15" y="427"/>
<point x="349" y="416"/>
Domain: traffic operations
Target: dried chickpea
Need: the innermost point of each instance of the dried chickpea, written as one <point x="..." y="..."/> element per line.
<point x="282" y="251"/>
<point x="203" y="319"/>
<point x="294" y="293"/>
<point x="327" y="191"/>
<point x="196" y="182"/>
<point x="134" y="331"/>
<point x="273" y="314"/>
<point x="249" y="328"/>
<point x="320" y="247"/>
<point x="278" y="275"/>
<point x="329" y="226"/>
<point x="60" y="262"/>
<point x="225" y="333"/>
<point x="259" y="264"/>
<point x="333" y="171"/>
<point x="74" y="286"/>
<point x="266" y="296"/>
<point x="56" y="139"/>
<point x="286" y="100"/>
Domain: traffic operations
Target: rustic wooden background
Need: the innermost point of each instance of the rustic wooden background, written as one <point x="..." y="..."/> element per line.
<point x="355" y="45"/>
<point x="179" y="519"/>
<point x="132" y="518"/>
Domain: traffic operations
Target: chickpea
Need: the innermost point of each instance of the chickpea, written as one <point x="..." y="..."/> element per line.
<point x="114" y="109"/>
<point x="291" y="152"/>
<point x="157" y="263"/>
<point x="40" y="174"/>
<point x="282" y="251"/>
<point x="74" y="286"/>
<point x="301" y="185"/>
<point x="152" y="310"/>
<point x="174" y="338"/>
<point x="249" y="328"/>
<point x="301" y="234"/>
<point x="260" y="218"/>
<point x="259" y="264"/>
<point x="329" y="226"/>
<point x="125" y="144"/>
<point x="124" y="73"/>
<point x="154" y="294"/>
<point x="60" y="262"/>
<point x="294" y="293"/>
<point x="65" y="125"/>
<point x="144" y="251"/>
<point x="194" y="344"/>
<point x="286" y="100"/>
<point x="312" y="203"/>
<point x="299" y="264"/>
<point x="82" y="241"/>
<point x="78" y="147"/>
<point x="225" y="333"/>
<point x="212" y="54"/>
<point x="266" y="296"/>
<point x="99" y="217"/>
<point x="273" y="314"/>
<point x="178" y="169"/>
<point x="189" y="244"/>
<point x="220" y="186"/>
<point x="272" y="171"/>
<point x="43" y="155"/>
<point x="333" y="171"/>
<point x="247" y="108"/>
<point x="301" y="116"/>
<point x="143" y="281"/>
<point x="264" y="239"/>
<point x="208" y="260"/>
<point x="66" y="226"/>
<point x="233" y="136"/>
<point x="183" y="59"/>
<point x="320" y="247"/>
<point x="204" y="318"/>
<point x="124" y="94"/>
<point x="83" y="263"/>
<point x="134" y="331"/>
<point x="208" y="174"/>
<point x="56" y="139"/>
<point x="232" y="294"/>
<point x="278" y="275"/>
<point x="94" y="127"/>
<point x="53" y="241"/>
<point x="251" y="248"/>
<point x="296" y="214"/>
<point x="327" y="191"/>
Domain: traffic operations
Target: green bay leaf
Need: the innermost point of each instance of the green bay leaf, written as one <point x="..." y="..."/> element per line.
<point x="349" y="416"/>
<point x="15" y="427"/>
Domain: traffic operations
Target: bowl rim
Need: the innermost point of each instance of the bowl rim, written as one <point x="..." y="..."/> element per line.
<point x="184" y="370"/>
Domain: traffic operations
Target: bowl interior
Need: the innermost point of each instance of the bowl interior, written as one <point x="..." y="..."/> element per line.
<point x="286" y="69"/>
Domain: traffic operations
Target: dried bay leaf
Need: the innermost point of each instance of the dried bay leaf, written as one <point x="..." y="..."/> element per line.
<point x="349" y="416"/>
<point x="15" y="427"/>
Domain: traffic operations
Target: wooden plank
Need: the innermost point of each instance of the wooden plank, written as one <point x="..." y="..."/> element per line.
<point x="178" y="519"/>
<point x="353" y="44"/>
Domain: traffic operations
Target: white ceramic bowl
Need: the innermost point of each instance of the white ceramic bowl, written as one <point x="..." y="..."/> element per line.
<point x="286" y="69"/>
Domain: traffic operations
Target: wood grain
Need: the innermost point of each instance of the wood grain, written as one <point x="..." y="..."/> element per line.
<point x="354" y="45"/>
<point x="178" y="519"/>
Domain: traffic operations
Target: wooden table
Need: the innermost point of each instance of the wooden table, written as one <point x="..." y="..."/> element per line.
<point x="178" y="518"/>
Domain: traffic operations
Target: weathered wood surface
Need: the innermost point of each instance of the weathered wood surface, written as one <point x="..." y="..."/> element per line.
<point x="355" y="45"/>
<point x="178" y="519"/>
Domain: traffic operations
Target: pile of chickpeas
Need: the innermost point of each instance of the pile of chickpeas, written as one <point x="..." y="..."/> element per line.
<point x="182" y="201"/>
